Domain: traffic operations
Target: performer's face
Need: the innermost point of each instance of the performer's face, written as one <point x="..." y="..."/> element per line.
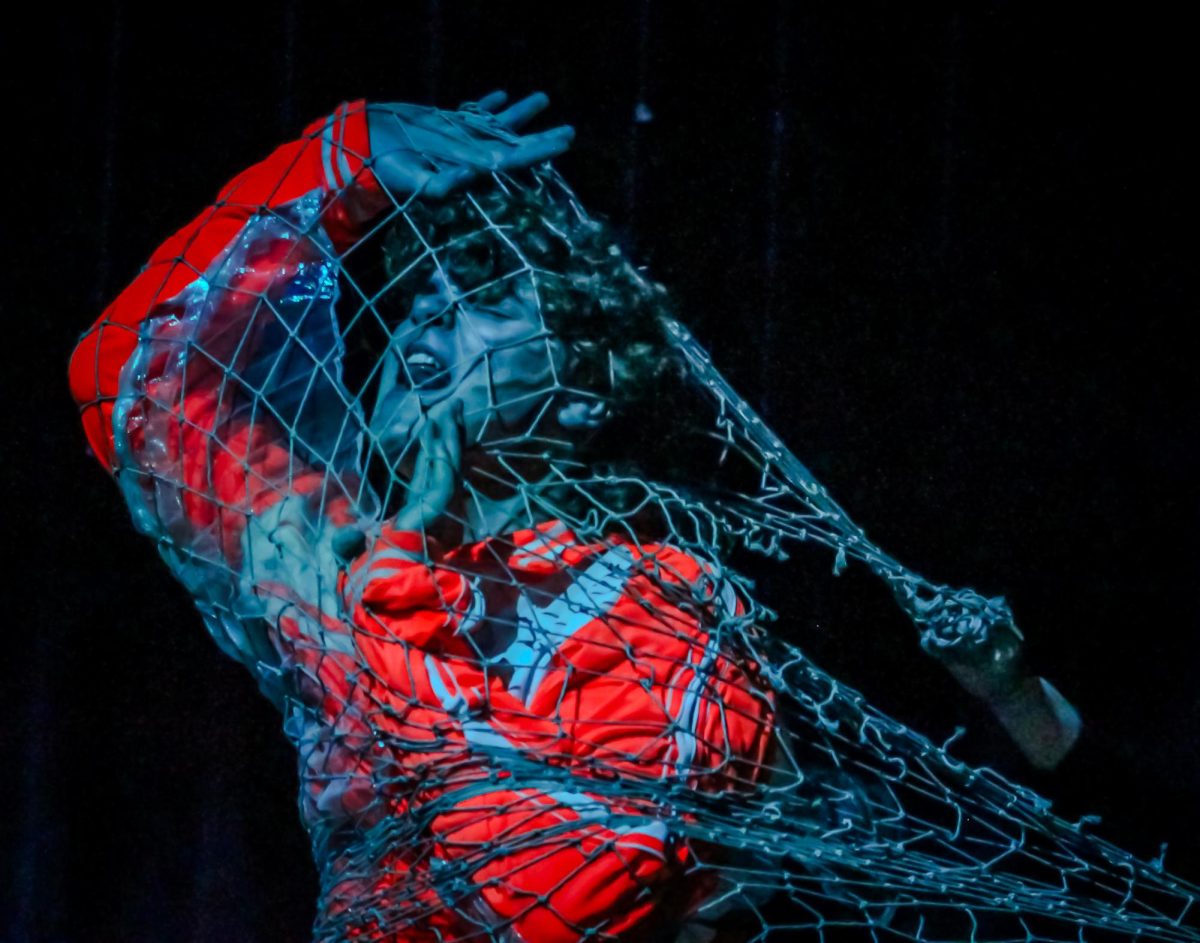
<point x="496" y="357"/>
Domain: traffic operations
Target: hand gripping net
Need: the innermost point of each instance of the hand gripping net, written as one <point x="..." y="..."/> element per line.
<point x="581" y="728"/>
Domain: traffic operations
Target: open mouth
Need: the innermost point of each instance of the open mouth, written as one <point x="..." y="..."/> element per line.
<point x="425" y="370"/>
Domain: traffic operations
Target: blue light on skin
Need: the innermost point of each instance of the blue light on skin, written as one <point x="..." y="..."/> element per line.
<point x="491" y="370"/>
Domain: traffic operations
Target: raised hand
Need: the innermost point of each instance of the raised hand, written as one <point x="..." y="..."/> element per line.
<point x="422" y="151"/>
<point x="436" y="468"/>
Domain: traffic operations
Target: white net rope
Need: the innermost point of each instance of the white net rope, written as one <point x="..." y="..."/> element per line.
<point x="538" y="704"/>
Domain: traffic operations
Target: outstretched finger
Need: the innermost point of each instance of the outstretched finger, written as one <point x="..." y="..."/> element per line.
<point x="451" y="431"/>
<point x="538" y="147"/>
<point x="443" y="461"/>
<point x="519" y="114"/>
<point x="490" y="102"/>
<point x="419" y="480"/>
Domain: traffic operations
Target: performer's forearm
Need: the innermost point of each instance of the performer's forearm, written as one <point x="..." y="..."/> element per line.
<point x="330" y="157"/>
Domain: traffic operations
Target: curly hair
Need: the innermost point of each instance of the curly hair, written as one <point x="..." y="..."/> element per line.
<point x="591" y="297"/>
<point x="610" y="317"/>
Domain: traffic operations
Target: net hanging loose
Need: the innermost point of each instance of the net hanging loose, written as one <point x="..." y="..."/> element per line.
<point x="450" y="478"/>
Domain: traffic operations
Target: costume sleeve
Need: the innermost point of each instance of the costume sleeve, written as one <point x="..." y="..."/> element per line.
<point x="160" y="378"/>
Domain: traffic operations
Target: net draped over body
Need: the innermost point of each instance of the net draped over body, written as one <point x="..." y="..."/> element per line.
<point x="574" y="730"/>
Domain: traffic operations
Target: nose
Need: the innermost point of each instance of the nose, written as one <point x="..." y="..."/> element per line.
<point x="435" y="307"/>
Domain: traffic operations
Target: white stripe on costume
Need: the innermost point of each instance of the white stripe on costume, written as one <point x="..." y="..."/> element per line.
<point x="343" y="163"/>
<point x="591" y="810"/>
<point x="687" y="724"/>
<point x="541" y="630"/>
<point x="477" y="732"/>
<point x="331" y="181"/>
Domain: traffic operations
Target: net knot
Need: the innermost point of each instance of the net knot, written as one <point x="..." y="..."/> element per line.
<point x="958" y="618"/>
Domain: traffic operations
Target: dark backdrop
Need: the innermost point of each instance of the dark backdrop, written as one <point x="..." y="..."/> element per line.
<point x="947" y="252"/>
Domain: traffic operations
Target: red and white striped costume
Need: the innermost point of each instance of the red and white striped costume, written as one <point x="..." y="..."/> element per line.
<point x="414" y="676"/>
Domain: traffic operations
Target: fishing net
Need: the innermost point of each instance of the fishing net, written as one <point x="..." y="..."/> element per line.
<point x="531" y="699"/>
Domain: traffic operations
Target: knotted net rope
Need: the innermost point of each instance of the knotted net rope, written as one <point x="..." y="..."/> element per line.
<point x="582" y="726"/>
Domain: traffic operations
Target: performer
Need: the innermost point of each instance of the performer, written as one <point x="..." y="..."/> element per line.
<point x="438" y="654"/>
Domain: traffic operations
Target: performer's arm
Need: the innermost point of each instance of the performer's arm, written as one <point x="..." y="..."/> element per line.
<point x="205" y="458"/>
<point x="158" y="376"/>
<point x="330" y="157"/>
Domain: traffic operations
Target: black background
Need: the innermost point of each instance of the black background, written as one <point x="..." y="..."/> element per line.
<point x="947" y="252"/>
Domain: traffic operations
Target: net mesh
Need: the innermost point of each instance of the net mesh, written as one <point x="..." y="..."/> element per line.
<point x="462" y="494"/>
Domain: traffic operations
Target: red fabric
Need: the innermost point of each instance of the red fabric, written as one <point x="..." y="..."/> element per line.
<point x="608" y="707"/>
<point x="544" y="870"/>
<point x="613" y="689"/>
<point x="554" y="875"/>
<point x="225" y="466"/>
<point x="291" y="171"/>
